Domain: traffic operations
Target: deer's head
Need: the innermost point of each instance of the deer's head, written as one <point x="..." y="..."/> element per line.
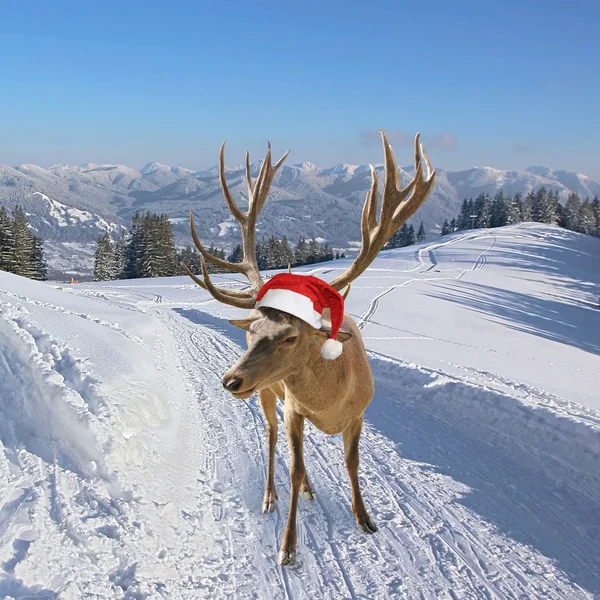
<point x="279" y="342"/>
<point x="278" y="345"/>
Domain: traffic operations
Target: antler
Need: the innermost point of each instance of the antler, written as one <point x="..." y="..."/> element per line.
<point x="257" y="194"/>
<point x="396" y="207"/>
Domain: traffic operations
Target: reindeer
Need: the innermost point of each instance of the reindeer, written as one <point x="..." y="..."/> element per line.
<point x="283" y="358"/>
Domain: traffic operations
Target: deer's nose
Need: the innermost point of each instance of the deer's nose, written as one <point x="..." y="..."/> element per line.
<point x="232" y="384"/>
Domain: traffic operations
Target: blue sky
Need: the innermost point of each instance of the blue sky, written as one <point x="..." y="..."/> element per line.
<point x="505" y="84"/>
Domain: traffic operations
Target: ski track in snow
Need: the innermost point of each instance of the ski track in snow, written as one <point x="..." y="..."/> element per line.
<point x="422" y="268"/>
<point x="482" y="487"/>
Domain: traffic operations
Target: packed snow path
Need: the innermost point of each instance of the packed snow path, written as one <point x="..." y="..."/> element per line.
<point x="148" y="481"/>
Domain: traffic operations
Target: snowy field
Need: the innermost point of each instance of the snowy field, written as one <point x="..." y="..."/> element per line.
<point x="128" y="473"/>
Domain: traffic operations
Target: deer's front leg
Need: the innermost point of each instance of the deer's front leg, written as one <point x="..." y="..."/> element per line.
<point x="268" y="402"/>
<point x="351" y="438"/>
<point x="294" y="424"/>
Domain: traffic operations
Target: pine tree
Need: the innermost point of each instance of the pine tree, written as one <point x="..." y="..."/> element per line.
<point x="410" y="236"/>
<point x="421" y="235"/>
<point x="499" y="216"/>
<point x="166" y="253"/>
<point x="38" y="260"/>
<point x="527" y="211"/>
<point x="464" y="217"/>
<point x="24" y="244"/>
<point x="453" y="226"/>
<point x="313" y="252"/>
<point x="482" y="209"/>
<point x="261" y="254"/>
<point x="514" y="210"/>
<point x="301" y="252"/>
<point x="587" y="219"/>
<point x="596" y="209"/>
<point x="570" y="213"/>
<point x="236" y="255"/>
<point x="120" y="249"/>
<point x="133" y="249"/>
<point x="7" y="243"/>
<point x="445" y="228"/>
<point x="104" y="259"/>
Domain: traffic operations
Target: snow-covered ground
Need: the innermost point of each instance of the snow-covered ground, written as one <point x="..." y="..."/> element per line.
<point x="127" y="472"/>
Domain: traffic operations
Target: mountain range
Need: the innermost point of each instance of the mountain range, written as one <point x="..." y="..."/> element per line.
<point x="70" y="206"/>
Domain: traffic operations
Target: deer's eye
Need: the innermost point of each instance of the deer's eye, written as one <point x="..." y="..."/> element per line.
<point x="290" y="340"/>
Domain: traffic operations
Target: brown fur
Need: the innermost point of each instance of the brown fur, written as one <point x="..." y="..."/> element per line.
<point x="284" y="353"/>
<point x="331" y="394"/>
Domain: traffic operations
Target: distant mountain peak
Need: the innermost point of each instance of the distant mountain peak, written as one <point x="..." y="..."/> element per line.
<point x="308" y="166"/>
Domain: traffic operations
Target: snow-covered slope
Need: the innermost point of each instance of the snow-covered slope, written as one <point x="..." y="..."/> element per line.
<point x="304" y="200"/>
<point x="128" y="472"/>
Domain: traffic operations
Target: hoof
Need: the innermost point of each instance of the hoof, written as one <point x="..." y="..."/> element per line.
<point x="309" y="495"/>
<point x="367" y="526"/>
<point x="269" y="506"/>
<point x="287" y="557"/>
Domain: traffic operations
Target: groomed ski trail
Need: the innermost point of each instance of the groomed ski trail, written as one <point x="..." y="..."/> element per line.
<point x="431" y="543"/>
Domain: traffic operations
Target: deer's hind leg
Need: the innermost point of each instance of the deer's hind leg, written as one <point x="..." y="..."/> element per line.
<point x="268" y="402"/>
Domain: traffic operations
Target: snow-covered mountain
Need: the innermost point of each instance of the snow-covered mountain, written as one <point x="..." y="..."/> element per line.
<point x="304" y="200"/>
<point x="128" y="472"/>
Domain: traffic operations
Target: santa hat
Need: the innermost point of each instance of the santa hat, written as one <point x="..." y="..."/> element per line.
<point x="305" y="297"/>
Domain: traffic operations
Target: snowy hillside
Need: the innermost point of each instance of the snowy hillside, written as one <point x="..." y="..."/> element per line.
<point x="304" y="200"/>
<point x="127" y="472"/>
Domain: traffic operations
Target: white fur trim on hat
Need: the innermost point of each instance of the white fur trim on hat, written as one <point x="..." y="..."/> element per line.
<point x="296" y="304"/>
<point x="331" y="349"/>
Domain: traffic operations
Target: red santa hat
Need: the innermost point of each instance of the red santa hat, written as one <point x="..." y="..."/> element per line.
<point x="305" y="297"/>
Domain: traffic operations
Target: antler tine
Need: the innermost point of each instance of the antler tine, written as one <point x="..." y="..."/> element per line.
<point x="235" y="296"/>
<point x="218" y="262"/>
<point x="222" y="295"/>
<point x="265" y="178"/>
<point x="233" y="207"/>
<point x="396" y="208"/>
<point x="372" y="199"/>
<point x="249" y="181"/>
<point x="392" y="186"/>
<point x="257" y="194"/>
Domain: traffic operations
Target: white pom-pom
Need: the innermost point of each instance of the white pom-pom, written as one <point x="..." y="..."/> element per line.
<point x="331" y="349"/>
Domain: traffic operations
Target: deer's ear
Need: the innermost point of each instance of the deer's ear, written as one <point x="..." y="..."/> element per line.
<point x="242" y="323"/>
<point x="342" y="336"/>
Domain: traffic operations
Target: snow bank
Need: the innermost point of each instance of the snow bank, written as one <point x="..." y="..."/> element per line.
<point x="50" y="403"/>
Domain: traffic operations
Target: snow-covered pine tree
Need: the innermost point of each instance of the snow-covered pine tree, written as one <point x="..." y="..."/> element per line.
<point x="285" y="253"/>
<point x="301" y="252"/>
<point x="24" y="244"/>
<point x="569" y="218"/>
<point x="104" y="259"/>
<point x="482" y="208"/>
<point x="120" y="249"/>
<point x="514" y="210"/>
<point x="38" y="260"/>
<point x="453" y="226"/>
<point x="587" y="218"/>
<point x="596" y="209"/>
<point x="410" y="236"/>
<point x="445" y="227"/>
<point x="236" y="255"/>
<point x="499" y="213"/>
<point x="421" y="235"/>
<point x="209" y="266"/>
<point x="7" y="243"/>
<point x="261" y="254"/>
<point x="464" y="217"/>
<point x="313" y="251"/>
<point x="191" y="258"/>
<point x="132" y="252"/>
